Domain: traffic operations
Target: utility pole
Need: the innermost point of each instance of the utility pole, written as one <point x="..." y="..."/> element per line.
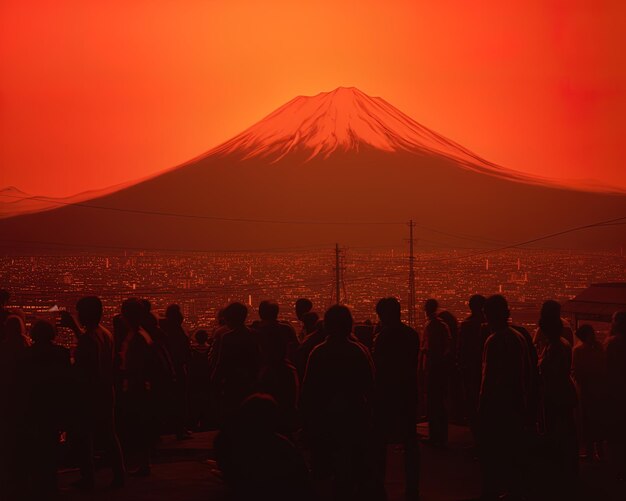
<point x="412" y="308"/>
<point x="337" y="274"/>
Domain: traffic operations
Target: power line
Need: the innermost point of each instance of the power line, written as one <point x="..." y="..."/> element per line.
<point x="208" y="217"/>
<point x="597" y="224"/>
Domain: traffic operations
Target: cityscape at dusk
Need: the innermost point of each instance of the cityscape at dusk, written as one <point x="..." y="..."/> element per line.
<point x="328" y="250"/>
<point x="204" y="283"/>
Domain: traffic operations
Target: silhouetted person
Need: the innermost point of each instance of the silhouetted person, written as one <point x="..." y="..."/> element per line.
<point x="502" y="405"/>
<point x="364" y="332"/>
<point x="137" y="364"/>
<point x="616" y="367"/>
<point x="336" y="402"/>
<point x="455" y="383"/>
<point x="199" y="381"/>
<point x="550" y="311"/>
<point x="238" y="361"/>
<point x="395" y="353"/>
<point x="180" y="351"/>
<point x="161" y="373"/>
<point x="94" y="378"/>
<point x="472" y="336"/>
<point x="270" y="327"/>
<point x="559" y="400"/>
<point x="4" y="311"/>
<point x="45" y="379"/>
<point x="590" y="373"/>
<point x="278" y="377"/>
<point x="302" y="307"/>
<point x="13" y="349"/>
<point x="314" y="335"/>
<point x="437" y="345"/>
<point x="257" y="462"/>
<point x="532" y="389"/>
<point x="310" y="322"/>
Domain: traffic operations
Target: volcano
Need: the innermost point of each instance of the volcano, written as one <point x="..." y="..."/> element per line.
<point x="340" y="166"/>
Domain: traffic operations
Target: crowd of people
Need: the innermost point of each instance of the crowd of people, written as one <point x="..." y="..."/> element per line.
<point x="309" y="413"/>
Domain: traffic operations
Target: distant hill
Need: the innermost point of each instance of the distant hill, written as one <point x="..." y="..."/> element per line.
<point x="337" y="157"/>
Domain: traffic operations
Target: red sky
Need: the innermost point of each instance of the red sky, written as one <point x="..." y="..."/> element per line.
<point x="95" y="93"/>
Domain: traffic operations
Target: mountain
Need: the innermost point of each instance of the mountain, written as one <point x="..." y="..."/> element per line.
<point x="294" y="178"/>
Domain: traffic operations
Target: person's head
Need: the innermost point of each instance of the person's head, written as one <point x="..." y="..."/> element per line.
<point x="310" y="321"/>
<point x="4" y="297"/>
<point x="552" y="327"/>
<point x="303" y="305"/>
<point x="89" y="310"/>
<point x="586" y="334"/>
<point x="618" y="326"/>
<point x="257" y="414"/>
<point x="133" y="312"/>
<point x="147" y="305"/>
<point x="338" y="321"/>
<point x="450" y="320"/>
<point x="235" y="315"/>
<point x="14" y="327"/>
<point x="174" y="315"/>
<point x="220" y="317"/>
<point x="149" y="320"/>
<point x="477" y="304"/>
<point x="201" y="336"/>
<point x="42" y="332"/>
<point x="268" y="311"/>
<point x="550" y="310"/>
<point x="388" y="310"/>
<point x="497" y="312"/>
<point x="430" y="307"/>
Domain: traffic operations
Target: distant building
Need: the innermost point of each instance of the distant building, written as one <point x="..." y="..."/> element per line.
<point x="597" y="303"/>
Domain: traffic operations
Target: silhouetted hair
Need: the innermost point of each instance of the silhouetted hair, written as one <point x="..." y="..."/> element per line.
<point x="430" y="306"/>
<point x="14" y="327"/>
<point x="257" y="413"/>
<point x="477" y="303"/>
<point x="550" y="309"/>
<point x="303" y="305"/>
<point x="235" y="314"/>
<point x="149" y="320"/>
<point x="388" y="309"/>
<point x="619" y="322"/>
<point x="586" y="333"/>
<point x="133" y="311"/>
<point x="268" y="310"/>
<point x="202" y="336"/>
<point x="497" y="309"/>
<point x="5" y="295"/>
<point x="450" y="320"/>
<point x="310" y="320"/>
<point x="89" y="310"/>
<point x="338" y="321"/>
<point x="43" y="331"/>
<point x="174" y="314"/>
<point x="147" y="305"/>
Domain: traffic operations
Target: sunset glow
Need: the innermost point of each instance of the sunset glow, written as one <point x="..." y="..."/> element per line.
<point x="99" y="93"/>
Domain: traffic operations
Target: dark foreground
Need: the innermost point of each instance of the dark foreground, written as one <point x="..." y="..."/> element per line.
<point x="186" y="471"/>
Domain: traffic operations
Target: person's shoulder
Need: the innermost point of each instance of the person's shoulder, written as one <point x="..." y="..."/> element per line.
<point x="615" y="342"/>
<point x="565" y="343"/>
<point x="322" y="348"/>
<point x="286" y="325"/>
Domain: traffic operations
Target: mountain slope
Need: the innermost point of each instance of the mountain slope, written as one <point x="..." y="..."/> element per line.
<point x="338" y="157"/>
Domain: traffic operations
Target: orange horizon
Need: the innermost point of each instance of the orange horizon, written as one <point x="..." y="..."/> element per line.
<point x="95" y="94"/>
